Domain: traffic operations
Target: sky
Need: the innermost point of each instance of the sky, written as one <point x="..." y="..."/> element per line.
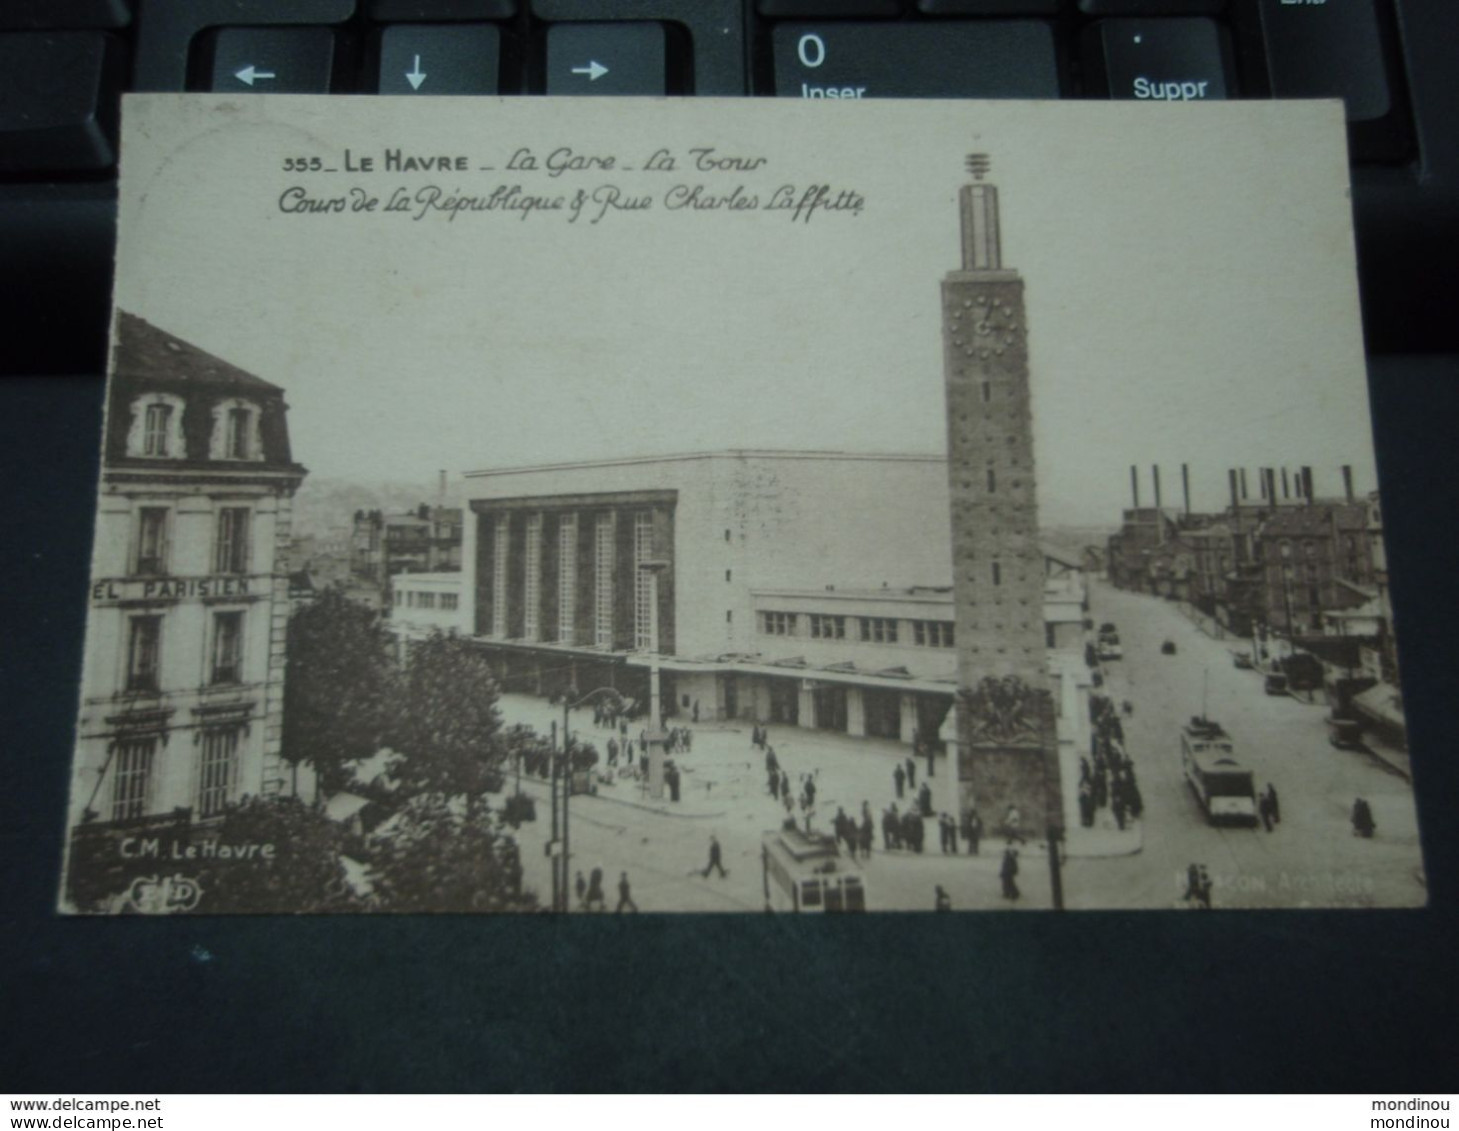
<point x="1191" y="295"/>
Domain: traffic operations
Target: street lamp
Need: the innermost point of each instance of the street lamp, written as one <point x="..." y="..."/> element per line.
<point x="561" y="871"/>
<point x="653" y="567"/>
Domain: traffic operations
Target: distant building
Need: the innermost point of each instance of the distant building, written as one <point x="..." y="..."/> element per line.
<point x="182" y="692"/>
<point x="425" y="540"/>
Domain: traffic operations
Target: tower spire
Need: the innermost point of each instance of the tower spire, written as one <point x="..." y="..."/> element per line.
<point x="982" y="250"/>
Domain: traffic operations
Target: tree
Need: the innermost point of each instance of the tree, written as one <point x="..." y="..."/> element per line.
<point x="448" y="727"/>
<point x="302" y="874"/>
<point x="440" y="855"/>
<point x="338" y="688"/>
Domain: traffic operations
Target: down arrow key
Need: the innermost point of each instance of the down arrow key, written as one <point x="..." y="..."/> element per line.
<point x="439" y="59"/>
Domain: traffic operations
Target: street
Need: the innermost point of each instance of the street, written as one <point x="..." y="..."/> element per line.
<point x="1312" y="858"/>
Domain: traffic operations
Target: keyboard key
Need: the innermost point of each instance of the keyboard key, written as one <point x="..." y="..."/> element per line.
<point x="272" y="60"/>
<point x="58" y="98"/>
<point x="617" y="58"/>
<point x="828" y="7"/>
<point x="402" y="11"/>
<point x="439" y="59"/>
<point x="1329" y="50"/>
<point x="50" y="14"/>
<point x="987" y="59"/>
<point x="1152" y="7"/>
<point x="1157" y="60"/>
<point x="989" y="7"/>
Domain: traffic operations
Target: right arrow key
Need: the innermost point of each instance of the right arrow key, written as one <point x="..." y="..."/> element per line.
<point x="606" y="58"/>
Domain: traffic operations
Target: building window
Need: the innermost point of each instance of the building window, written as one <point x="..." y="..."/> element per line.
<point x="227" y="648"/>
<point x="144" y="653"/>
<point x="450" y="602"/>
<point x="827" y="627"/>
<point x="219" y="769"/>
<point x="235" y="431"/>
<point x="992" y="478"/>
<point x="133" y="779"/>
<point x="603" y="582"/>
<point x="567" y="577"/>
<point x="879" y="630"/>
<point x="932" y="633"/>
<point x="238" y="433"/>
<point x="499" y="575"/>
<point x="778" y="624"/>
<point x="643" y="584"/>
<point x="997" y="574"/>
<point x="156" y="430"/>
<point x="532" y="595"/>
<point x="156" y="427"/>
<point x="232" y="548"/>
<point x="426" y="600"/>
<point x="152" y="541"/>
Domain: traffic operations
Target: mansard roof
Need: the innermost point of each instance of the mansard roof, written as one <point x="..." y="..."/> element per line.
<point x="144" y="353"/>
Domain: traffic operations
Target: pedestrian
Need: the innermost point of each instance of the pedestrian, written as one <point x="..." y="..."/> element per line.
<point x="975" y="831"/>
<point x="911" y="774"/>
<point x="810" y="789"/>
<point x="924" y="799"/>
<point x="612" y="752"/>
<point x="1363" y="824"/>
<point x="838" y="825"/>
<point x="1008" y="873"/>
<point x="1013" y="825"/>
<point x="944" y="901"/>
<point x="625" y="895"/>
<point x="1271" y="792"/>
<point x="595" y="891"/>
<point x="1086" y="804"/>
<point x="775" y="785"/>
<point x="772" y="763"/>
<point x="580" y="886"/>
<point x="913" y="831"/>
<point x="696" y="712"/>
<point x="688" y="740"/>
<point x="889" y="828"/>
<point x="899" y="776"/>
<point x="787" y="801"/>
<point x="784" y="784"/>
<point x="1264" y="810"/>
<point x="867" y="835"/>
<point x="715" y="860"/>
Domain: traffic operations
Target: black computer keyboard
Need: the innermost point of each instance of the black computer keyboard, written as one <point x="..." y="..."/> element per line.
<point x="64" y="64"/>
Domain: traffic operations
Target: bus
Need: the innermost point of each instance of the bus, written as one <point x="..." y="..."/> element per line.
<point x="1224" y="787"/>
<point x="805" y="872"/>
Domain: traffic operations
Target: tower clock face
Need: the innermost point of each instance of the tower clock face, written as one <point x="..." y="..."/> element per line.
<point x="983" y="327"/>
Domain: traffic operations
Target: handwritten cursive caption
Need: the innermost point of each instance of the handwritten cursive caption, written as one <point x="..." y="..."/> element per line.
<point x="551" y="184"/>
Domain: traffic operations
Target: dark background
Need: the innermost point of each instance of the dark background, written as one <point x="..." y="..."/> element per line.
<point x="1334" y="1001"/>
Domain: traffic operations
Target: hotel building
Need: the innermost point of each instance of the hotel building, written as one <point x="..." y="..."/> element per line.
<point x="182" y="690"/>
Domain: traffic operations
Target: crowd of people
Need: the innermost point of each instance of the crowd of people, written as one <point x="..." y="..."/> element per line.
<point x="1107" y="776"/>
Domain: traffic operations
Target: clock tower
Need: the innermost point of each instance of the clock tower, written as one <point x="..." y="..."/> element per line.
<point x="1007" y="743"/>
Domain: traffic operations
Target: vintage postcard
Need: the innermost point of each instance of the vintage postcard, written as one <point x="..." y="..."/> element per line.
<point x="617" y="505"/>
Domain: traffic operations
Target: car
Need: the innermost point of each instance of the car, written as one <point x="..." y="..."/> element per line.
<point x="1168" y="648"/>
<point x="1242" y="660"/>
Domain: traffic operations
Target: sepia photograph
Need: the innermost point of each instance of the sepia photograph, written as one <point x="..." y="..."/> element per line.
<point x="736" y="507"/>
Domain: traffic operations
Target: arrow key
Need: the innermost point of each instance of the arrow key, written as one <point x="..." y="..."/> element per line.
<point x="271" y="60"/>
<point x="616" y="58"/>
<point x="439" y="59"/>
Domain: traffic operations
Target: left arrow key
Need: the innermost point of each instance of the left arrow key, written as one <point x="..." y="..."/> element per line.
<point x="284" y="60"/>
